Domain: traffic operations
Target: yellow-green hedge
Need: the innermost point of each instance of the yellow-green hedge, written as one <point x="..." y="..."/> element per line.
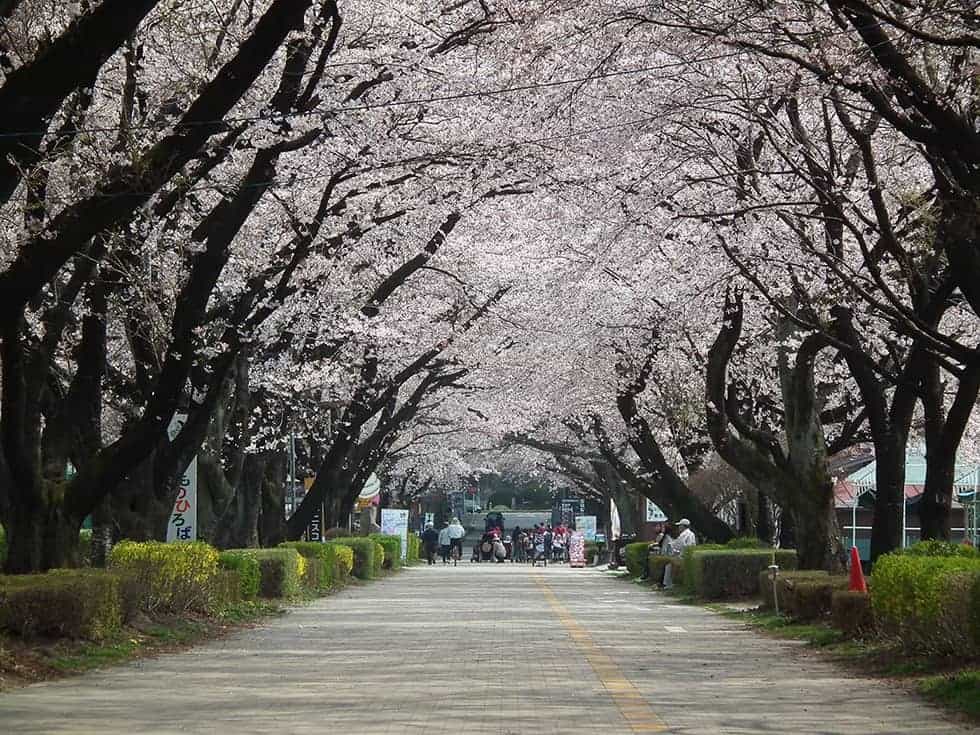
<point x="281" y="571"/>
<point x="343" y="558"/>
<point x="929" y="604"/>
<point x="247" y="567"/>
<point x="368" y="555"/>
<point x="321" y="569"/>
<point x="73" y="603"/>
<point x="414" y="547"/>
<point x="392" y="546"/>
<point x="170" y="578"/>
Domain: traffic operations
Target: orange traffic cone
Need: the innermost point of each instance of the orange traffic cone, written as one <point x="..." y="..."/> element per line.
<point x="857" y="583"/>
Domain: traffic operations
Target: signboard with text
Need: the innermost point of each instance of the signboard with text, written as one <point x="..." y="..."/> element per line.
<point x="182" y="525"/>
<point x="587" y="525"/>
<point x="394" y="522"/>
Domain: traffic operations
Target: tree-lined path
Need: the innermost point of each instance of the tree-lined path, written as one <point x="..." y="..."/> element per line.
<point x="480" y="649"/>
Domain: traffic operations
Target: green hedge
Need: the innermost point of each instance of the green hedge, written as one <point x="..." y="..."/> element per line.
<point x="787" y="581"/>
<point x="321" y="572"/>
<point x="851" y="613"/>
<point x="247" y="566"/>
<point x="73" y="603"/>
<point x="365" y="552"/>
<point x="636" y="558"/>
<point x="379" y="557"/>
<point x="929" y="604"/>
<point x="392" y="546"/>
<point x="414" y="547"/>
<point x="812" y="599"/>
<point x="280" y="571"/>
<point x="655" y="568"/>
<point x="166" y="578"/>
<point x="715" y="574"/>
<point x="939" y="548"/>
<point x="343" y="561"/>
<point x="226" y="589"/>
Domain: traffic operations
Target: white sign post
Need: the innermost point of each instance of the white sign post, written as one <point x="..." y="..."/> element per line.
<point x="587" y="525"/>
<point x="182" y="525"/>
<point x="654" y="514"/>
<point x="394" y="522"/>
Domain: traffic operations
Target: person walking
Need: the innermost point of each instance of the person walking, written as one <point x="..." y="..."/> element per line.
<point x="456" y="533"/>
<point x="547" y="539"/>
<point x="430" y="543"/>
<point x="444" y="543"/>
<point x="516" y="545"/>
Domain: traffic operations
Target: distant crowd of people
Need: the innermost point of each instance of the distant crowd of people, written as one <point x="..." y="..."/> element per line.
<point x="537" y="545"/>
<point x="541" y="544"/>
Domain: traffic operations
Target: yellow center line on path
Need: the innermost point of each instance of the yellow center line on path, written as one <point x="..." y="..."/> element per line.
<point x="631" y="703"/>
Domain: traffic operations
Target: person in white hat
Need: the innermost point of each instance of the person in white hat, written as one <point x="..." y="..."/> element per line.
<point x="684" y="539"/>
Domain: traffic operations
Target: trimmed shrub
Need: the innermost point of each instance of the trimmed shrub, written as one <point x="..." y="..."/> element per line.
<point x="850" y="612"/>
<point x="168" y="578"/>
<point x="247" y="566"/>
<point x="715" y="574"/>
<point x="392" y="546"/>
<point x="636" y="558"/>
<point x="226" y="589"/>
<point x="280" y="572"/>
<point x="940" y="548"/>
<point x="364" y="555"/>
<point x="928" y="603"/>
<point x="379" y="557"/>
<point x="72" y="603"/>
<point x="343" y="561"/>
<point x="656" y="564"/>
<point x="320" y="563"/>
<point x="787" y="581"/>
<point x="414" y="547"/>
<point x="746" y="542"/>
<point x="811" y="599"/>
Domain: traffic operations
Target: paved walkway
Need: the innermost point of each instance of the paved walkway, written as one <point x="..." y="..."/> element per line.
<point x="480" y="648"/>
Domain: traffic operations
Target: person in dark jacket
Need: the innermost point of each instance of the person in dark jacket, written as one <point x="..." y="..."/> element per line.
<point x="430" y="543"/>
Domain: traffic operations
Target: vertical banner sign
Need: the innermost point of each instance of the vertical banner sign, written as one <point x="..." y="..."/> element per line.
<point x="654" y="514"/>
<point x="394" y="522"/>
<point x="576" y="549"/>
<point x="182" y="525"/>
<point x="314" y="532"/>
<point x="586" y="524"/>
<point x="430" y="518"/>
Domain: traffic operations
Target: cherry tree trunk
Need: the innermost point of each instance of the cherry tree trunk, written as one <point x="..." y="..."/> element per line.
<point x="886" y="525"/>
<point x="41" y="536"/>
<point x="937" y="495"/>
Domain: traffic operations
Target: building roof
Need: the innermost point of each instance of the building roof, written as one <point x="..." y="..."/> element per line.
<point x="862" y="480"/>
